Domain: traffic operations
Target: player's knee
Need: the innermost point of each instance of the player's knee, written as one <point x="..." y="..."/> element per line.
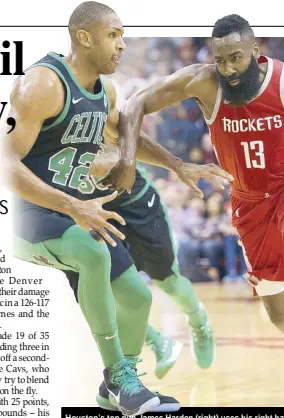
<point x="145" y="301"/>
<point x="90" y="252"/>
<point x="98" y="252"/>
<point x="274" y="307"/>
<point x="169" y="284"/>
<point x="147" y="297"/>
<point x="278" y="322"/>
<point x="142" y="300"/>
<point x="84" y="249"/>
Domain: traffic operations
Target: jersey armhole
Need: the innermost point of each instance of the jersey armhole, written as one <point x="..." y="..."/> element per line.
<point x="282" y="86"/>
<point x="216" y="107"/>
<point x="61" y="116"/>
<point x="106" y="93"/>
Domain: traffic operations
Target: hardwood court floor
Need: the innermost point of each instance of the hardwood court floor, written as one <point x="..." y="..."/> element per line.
<point x="248" y="369"/>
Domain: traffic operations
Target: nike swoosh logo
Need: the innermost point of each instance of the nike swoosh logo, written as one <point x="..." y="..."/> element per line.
<point x="151" y="202"/>
<point x="76" y="100"/>
<point x="112" y="336"/>
<point x="116" y="397"/>
<point x="177" y="348"/>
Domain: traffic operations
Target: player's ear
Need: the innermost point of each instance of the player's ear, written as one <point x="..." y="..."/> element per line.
<point x="84" y="38"/>
<point x="256" y="51"/>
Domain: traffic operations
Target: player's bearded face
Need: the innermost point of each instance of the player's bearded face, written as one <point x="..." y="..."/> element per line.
<point x="246" y="89"/>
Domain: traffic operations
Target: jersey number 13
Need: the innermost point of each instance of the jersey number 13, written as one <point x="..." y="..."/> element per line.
<point x="254" y="154"/>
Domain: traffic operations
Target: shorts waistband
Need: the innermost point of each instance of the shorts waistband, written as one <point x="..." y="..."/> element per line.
<point x="252" y="196"/>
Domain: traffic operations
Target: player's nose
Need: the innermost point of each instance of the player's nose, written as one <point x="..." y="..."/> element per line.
<point x="229" y="70"/>
<point x="121" y="45"/>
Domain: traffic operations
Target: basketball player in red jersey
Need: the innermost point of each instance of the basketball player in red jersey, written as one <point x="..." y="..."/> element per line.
<point x="242" y="100"/>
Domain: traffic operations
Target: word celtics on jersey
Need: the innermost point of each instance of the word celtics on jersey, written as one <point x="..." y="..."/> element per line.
<point x="68" y="143"/>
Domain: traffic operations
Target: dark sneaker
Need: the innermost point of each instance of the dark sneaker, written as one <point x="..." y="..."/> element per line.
<point x="126" y="391"/>
<point x="167" y="403"/>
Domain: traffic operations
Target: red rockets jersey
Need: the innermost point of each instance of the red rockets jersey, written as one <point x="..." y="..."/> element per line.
<point x="249" y="140"/>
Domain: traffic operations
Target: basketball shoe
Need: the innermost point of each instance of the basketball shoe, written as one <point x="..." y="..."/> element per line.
<point x="167" y="352"/>
<point x="126" y="392"/>
<point x="167" y="403"/>
<point x="202" y="342"/>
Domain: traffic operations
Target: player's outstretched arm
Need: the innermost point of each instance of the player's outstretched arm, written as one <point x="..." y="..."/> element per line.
<point x="107" y="166"/>
<point x="190" y="81"/>
<point x="38" y="96"/>
<point x="164" y="92"/>
<point x="149" y="151"/>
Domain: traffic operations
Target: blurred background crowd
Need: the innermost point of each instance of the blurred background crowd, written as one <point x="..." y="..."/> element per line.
<point x="207" y="243"/>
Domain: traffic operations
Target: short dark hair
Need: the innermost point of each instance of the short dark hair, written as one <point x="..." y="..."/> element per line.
<point x="87" y="14"/>
<point x="230" y="24"/>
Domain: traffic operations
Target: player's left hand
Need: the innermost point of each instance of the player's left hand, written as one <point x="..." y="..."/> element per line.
<point x="190" y="173"/>
<point x="120" y="177"/>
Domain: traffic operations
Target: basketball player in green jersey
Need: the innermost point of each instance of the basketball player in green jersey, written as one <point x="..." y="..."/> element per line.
<point x="149" y="241"/>
<point x="58" y="132"/>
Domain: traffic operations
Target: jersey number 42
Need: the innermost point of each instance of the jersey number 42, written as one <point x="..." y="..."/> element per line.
<point x="68" y="175"/>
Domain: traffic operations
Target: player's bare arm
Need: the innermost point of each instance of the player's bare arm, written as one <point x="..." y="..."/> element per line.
<point x="165" y="91"/>
<point x="193" y="81"/>
<point x="125" y="167"/>
<point x="150" y="152"/>
<point x="37" y="96"/>
<point x="147" y="151"/>
<point x="32" y="102"/>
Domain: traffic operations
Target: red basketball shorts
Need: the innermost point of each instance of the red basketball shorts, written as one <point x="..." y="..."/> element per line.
<point x="259" y="221"/>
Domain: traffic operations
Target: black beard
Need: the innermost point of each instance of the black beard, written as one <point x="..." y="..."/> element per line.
<point x="246" y="90"/>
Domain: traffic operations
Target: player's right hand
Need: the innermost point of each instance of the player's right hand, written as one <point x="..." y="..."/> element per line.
<point x="190" y="173"/>
<point x="120" y="177"/>
<point x="90" y="216"/>
<point x="102" y="163"/>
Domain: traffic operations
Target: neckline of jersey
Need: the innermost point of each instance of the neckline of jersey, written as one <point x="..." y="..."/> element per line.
<point x="82" y="90"/>
<point x="267" y="76"/>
